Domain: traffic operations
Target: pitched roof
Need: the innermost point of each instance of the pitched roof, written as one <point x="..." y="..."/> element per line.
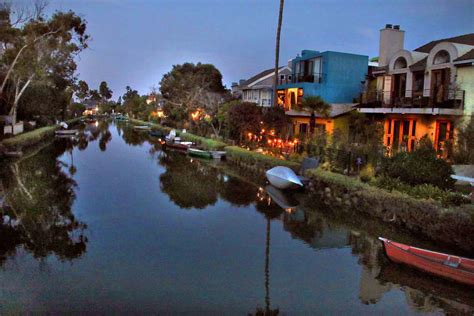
<point x="419" y="65"/>
<point x="467" y="39"/>
<point x="467" y="56"/>
<point x="260" y="75"/>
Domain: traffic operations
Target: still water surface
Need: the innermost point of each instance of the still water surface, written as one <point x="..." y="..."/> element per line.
<point x="110" y="223"/>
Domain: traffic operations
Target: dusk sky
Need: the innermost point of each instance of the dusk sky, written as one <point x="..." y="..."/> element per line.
<point x="136" y="41"/>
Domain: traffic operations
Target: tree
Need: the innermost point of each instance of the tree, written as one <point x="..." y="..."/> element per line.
<point x="104" y="91"/>
<point x="276" y="119"/>
<point x="315" y="105"/>
<point x="464" y="152"/>
<point x="82" y="90"/>
<point x="243" y="118"/>
<point x="183" y="87"/>
<point x="277" y="53"/>
<point x="95" y="95"/>
<point x="40" y="49"/>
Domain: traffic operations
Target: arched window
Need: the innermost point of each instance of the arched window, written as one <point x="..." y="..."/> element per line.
<point x="441" y="57"/>
<point x="400" y="63"/>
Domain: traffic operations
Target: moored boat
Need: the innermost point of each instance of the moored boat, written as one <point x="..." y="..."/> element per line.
<point x="141" y="128"/>
<point x="444" y="265"/>
<point x="66" y="132"/>
<point x="283" y="178"/>
<point x="178" y="145"/>
<point x="216" y="154"/>
<point x="156" y="133"/>
<point x="199" y="153"/>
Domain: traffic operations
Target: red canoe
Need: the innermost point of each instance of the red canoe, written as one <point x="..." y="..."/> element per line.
<point x="452" y="267"/>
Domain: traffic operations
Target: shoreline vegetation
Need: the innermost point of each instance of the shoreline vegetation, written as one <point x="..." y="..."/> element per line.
<point x="453" y="225"/>
<point x="33" y="137"/>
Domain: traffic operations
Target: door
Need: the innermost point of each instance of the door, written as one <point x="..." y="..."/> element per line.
<point x="443" y="135"/>
<point x="439" y="83"/>
<point x="399" y="88"/>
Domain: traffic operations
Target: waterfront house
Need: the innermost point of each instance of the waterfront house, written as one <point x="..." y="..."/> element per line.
<point x="259" y="88"/>
<point x="334" y="76"/>
<point x="425" y="91"/>
<point x="91" y="107"/>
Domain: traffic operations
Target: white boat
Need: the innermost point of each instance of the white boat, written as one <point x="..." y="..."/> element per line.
<point x="216" y="154"/>
<point x="283" y="178"/>
<point x="66" y="132"/>
<point x="142" y="128"/>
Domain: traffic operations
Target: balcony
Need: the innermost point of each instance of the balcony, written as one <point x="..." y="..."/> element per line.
<point x="302" y="77"/>
<point x="423" y="100"/>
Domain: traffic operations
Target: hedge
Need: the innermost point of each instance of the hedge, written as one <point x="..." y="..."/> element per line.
<point x="453" y="225"/>
<point x="258" y="160"/>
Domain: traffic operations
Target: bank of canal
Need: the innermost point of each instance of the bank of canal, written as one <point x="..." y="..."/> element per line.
<point x="110" y="222"/>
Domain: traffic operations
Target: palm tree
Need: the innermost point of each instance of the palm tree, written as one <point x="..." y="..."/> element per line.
<point x="277" y="53"/>
<point x="314" y="104"/>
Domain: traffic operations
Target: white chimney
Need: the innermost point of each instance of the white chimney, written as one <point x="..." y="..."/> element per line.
<point x="391" y="41"/>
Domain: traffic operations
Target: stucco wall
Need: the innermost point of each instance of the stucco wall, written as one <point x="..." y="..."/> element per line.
<point x="342" y="78"/>
<point x="465" y="82"/>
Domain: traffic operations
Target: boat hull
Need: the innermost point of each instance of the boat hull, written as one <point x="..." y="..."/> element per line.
<point x="177" y="146"/>
<point x="283" y="178"/>
<point x="199" y="153"/>
<point x="450" y="267"/>
<point x="66" y="132"/>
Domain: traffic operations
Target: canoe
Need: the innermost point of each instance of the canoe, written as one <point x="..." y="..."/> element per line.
<point x="218" y="154"/>
<point x="178" y="145"/>
<point x="12" y="154"/>
<point x="199" y="153"/>
<point x="142" y="128"/>
<point x="444" y="265"/>
<point x="283" y="178"/>
<point x="68" y="132"/>
<point x="155" y="133"/>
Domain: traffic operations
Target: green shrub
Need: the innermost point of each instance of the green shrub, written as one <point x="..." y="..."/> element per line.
<point x="419" y="167"/>
<point x="367" y="173"/>
<point x="422" y="191"/>
<point x="259" y="160"/>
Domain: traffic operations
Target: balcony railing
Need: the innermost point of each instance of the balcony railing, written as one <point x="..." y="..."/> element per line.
<point x="447" y="99"/>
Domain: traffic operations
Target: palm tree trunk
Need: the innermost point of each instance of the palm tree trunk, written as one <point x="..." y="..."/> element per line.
<point x="312" y="123"/>
<point x="277" y="53"/>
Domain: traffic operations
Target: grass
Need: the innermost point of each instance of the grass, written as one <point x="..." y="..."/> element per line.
<point x="261" y="161"/>
<point x="33" y="137"/>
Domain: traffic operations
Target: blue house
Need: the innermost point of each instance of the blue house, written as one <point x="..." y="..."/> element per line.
<point x="336" y="77"/>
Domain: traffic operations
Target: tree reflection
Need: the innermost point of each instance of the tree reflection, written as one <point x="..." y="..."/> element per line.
<point x="236" y="193"/>
<point x="37" y="214"/>
<point x="187" y="182"/>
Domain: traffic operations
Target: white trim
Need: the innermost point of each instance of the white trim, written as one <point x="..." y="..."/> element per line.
<point x="430" y="111"/>
<point x="268" y="76"/>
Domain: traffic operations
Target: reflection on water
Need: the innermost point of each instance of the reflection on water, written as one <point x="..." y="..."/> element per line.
<point x="37" y="214"/>
<point x="42" y="196"/>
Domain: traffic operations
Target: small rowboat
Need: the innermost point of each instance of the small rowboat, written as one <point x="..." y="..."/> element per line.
<point x="12" y="154"/>
<point x="283" y="178"/>
<point x="451" y="267"/>
<point x="179" y="145"/>
<point x="142" y="128"/>
<point x="218" y="154"/>
<point x="66" y="132"/>
<point x="199" y="153"/>
<point x="155" y="133"/>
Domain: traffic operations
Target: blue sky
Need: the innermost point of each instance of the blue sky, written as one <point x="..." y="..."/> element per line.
<point x="136" y="41"/>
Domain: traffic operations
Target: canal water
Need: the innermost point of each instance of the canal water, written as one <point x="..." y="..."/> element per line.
<point x="109" y="222"/>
